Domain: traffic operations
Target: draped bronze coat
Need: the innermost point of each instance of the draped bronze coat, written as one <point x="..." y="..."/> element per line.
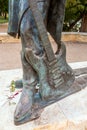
<point x="54" y="20"/>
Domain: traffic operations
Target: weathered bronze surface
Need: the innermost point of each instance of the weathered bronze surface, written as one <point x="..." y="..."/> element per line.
<point x="46" y="75"/>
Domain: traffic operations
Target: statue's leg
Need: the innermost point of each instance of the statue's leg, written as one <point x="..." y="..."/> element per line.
<point x="55" y="20"/>
<point x="26" y="102"/>
<point x="60" y="19"/>
<point x="24" y="108"/>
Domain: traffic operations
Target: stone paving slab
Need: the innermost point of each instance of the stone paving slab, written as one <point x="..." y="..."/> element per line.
<point x="69" y="113"/>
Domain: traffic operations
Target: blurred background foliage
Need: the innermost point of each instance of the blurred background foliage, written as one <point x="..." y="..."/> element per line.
<point x="4" y="8"/>
<point x="76" y="16"/>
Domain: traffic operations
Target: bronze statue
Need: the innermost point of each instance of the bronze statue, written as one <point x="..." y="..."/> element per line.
<point x="46" y="75"/>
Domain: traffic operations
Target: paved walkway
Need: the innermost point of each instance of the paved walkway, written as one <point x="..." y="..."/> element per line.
<point x="3" y="27"/>
<point x="10" y="54"/>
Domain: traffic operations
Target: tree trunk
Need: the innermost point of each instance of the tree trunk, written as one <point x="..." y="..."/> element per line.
<point x="73" y="24"/>
<point x="84" y="24"/>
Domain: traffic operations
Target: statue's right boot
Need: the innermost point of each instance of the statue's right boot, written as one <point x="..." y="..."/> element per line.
<point x="23" y="112"/>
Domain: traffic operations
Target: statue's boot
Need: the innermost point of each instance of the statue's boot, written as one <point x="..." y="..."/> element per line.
<point x="24" y="109"/>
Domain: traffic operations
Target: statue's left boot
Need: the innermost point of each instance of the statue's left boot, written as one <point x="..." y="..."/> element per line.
<point x="24" y="108"/>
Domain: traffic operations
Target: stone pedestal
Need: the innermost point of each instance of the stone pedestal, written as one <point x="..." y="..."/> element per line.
<point x="69" y="113"/>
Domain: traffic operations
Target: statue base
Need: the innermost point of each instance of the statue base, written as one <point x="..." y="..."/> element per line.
<point x="69" y="113"/>
<point x="39" y="105"/>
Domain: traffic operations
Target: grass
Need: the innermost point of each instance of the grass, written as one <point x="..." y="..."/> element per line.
<point x="2" y="20"/>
